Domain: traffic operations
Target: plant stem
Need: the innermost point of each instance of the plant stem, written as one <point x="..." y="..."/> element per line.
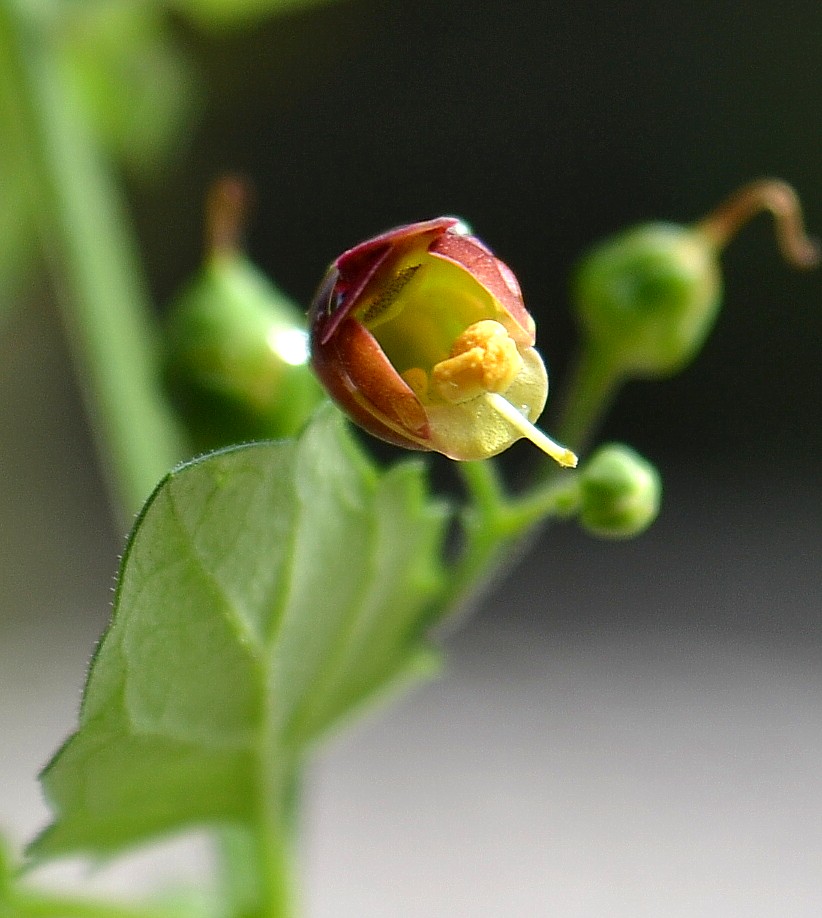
<point x="497" y="528"/>
<point x="484" y="485"/>
<point x="275" y="870"/>
<point x="258" y="860"/>
<point x="36" y="905"/>
<point x="557" y="498"/>
<point x="593" y="383"/>
<point x="481" y="558"/>
<point x="257" y="869"/>
<point x="87" y="240"/>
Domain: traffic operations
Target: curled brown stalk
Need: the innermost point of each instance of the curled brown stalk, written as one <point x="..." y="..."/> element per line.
<point x="772" y="195"/>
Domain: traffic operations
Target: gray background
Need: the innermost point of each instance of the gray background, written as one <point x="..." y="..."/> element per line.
<point x="630" y="729"/>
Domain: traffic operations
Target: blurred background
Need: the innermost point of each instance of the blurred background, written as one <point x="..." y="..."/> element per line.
<point x="624" y="729"/>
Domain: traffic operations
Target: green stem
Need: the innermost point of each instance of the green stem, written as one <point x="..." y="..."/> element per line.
<point x="257" y="867"/>
<point x="483" y="553"/>
<point x="86" y="236"/>
<point x="266" y="884"/>
<point x="35" y="905"/>
<point x="592" y="386"/>
<point x="276" y="870"/>
<point x="484" y="486"/>
<point x="486" y="542"/>
<point x="557" y="498"/>
<point x="496" y="527"/>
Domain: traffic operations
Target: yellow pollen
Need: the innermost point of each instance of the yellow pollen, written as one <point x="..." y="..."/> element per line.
<point x="484" y="358"/>
<point x="417" y="380"/>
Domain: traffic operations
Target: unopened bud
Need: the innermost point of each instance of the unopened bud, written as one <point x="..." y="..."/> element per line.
<point x="619" y="493"/>
<point x="648" y="297"/>
<point x="238" y="357"/>
<point x="238" y="362"/>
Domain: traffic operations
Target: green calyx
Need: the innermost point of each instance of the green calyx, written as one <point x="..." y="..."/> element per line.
<point x="647" y="298"/>
<point x="619" y="493"/>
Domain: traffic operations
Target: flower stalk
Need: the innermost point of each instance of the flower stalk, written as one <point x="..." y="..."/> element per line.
<point x="86" y="238"/>
<point x="782" y="202"/>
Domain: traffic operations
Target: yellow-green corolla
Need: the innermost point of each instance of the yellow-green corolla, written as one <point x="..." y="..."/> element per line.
<point x="422" y="337"/>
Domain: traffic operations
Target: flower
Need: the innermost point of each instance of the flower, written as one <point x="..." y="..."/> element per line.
<point x="421" y="335"/>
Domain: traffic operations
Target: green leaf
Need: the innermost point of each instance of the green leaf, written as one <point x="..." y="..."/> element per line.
<point x="266" y="591"/>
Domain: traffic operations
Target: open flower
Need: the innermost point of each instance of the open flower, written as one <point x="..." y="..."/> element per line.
<point x="422" y="337"/>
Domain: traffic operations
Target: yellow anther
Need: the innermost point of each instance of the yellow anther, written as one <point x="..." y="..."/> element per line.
<point x="483" y="359"/>
<point x="417" y="380"/>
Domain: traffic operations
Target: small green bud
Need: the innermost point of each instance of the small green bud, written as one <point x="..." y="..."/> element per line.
<point x="619" y="493"/>
<point x="238" y="362"/>
<point x="648" y="297"/>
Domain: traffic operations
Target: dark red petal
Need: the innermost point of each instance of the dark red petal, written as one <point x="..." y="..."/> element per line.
<point x="360" y="378"/>
<point x="354" y="270"/>
<point x="339" y="293"/>
<point x="348" y="262"/>
<point x="497" y="278"/>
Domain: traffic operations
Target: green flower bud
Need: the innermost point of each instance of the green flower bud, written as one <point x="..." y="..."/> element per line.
<point x="619" y="493"/>
<point x="648" y="297"/>
<point x="238" y="363"/>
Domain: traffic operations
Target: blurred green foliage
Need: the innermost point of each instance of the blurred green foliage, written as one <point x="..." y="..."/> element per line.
<point x="131" y="80"/>
<point x="220" y="13"/>
<point x="134" y="80"/>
